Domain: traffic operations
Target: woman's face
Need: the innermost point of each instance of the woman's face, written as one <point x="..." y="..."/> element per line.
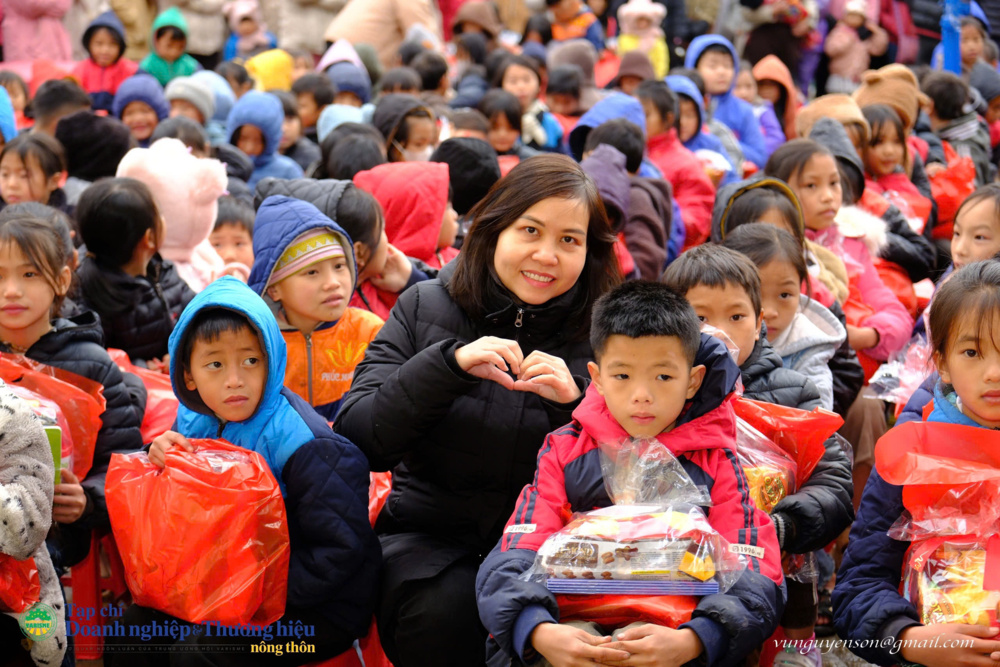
<point x="541" y="254"/>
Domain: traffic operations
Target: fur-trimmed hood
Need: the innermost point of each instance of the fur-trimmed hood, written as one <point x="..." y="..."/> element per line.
<point x="855" y="223"/>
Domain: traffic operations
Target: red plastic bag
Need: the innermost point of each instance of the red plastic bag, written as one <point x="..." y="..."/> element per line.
<point x="616" y="611"/>
<point x="950" y="187"/>
<point x="800" y="433"/>
<point x="378" y="493"/>
<point x="80" y="399"/>
<point x="161" y="403"/>
<point x="205" y="538"/>
<point x="19" y="585"/>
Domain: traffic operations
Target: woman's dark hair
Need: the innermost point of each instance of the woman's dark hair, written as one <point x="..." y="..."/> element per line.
<point x="191" y="133"/>
<point x="353" y="153"/>
<point x="971" y="294"/>
<point x="400" y="80"/>
<point x="475" y="282"/>
<point x="41" y="148"/>
<point x="499" y="102"/>
<point x="792" y="157"/>
<point x="42" y="243"/>
<point x="359" y="214"/>
<point x="235" y="71"/>
<point x="880" y="116"/>
<point x="113" y="214"/>
<point x="538" y="23"/>
<point x="764" y="244"/>
<point x="752" y="203"/>
<point x="520" y="61"/>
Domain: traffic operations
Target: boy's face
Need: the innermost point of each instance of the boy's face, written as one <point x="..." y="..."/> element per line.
<point x="562" y="104"/>
<point x="308" y="110"/>
<point x="690" y="121"/>
<point x="746" y="87"/>
<point x="140" y="119"/>
<point x="251" y="140"/>
<point x="233" y="243"/>
<point x="655" y="124"/>
<point x="168" y="48"/>
<point x="729" y="310"/>
<point x="315" y="294"/>
<point x="246" y="27"/>
<point x="347" y="99"/>
<point x="291" y="131"/>
<point x="522" y="83"/>
<point x="186" y="109"/>
<point x="449" y="227"/>
<point x="229" y="373"/>
<point x="103" y="48"/>
<point x="645" y="382"/>
<point x="717" y="70"/>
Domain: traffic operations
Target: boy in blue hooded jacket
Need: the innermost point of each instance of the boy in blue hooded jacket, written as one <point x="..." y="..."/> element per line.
<point x="254" y="126"/>
<point x="227" y="366"/>
<point x="714" y="57"/>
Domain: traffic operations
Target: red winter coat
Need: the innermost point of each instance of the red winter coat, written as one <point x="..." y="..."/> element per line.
<point x="693" y="190"/>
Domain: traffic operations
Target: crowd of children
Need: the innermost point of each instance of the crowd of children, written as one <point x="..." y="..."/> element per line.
<point x="356" y="248"/>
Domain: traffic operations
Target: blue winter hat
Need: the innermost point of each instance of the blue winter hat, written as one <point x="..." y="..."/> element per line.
<point x="334" y="115"/>
<point x="141" y="88"/>
<point x="7" y="125"/>
<point x="349" y="78"/>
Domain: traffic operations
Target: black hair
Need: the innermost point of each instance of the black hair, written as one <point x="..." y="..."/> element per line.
<point x="642" y="309"/>
<point x="235" y="211"/>
<point x="8" y="77"/>
<point x="354" y="153"/>
<point x="360" y="215"/>
<point x="42" y="234"/>
<point x="207" y="326"/>
<point x="470" y="119"/>
<point x="990" y="191"/>
<point x="315" y="84"/>
<point x="880" y="116"/>
<point x="538" y="23"/>
<point x="499" y="102"/>
<point x="624" y="135"/>
<point x="432" y="68"/>
<point x="235" y="71"/>
<point x="714" y="266"/>
<point x="948" y="93"/>
<point x="751" y="204"/>
<point x="410" y="50"/>
<point x="763" y="244"/>
<point x="188" y="131"/>
<point x="990" y="51"/>
<point x="494" y="61"/>
<point x="792" y="156"/>
<point x="691" y="74"/>
<point x="328" y="147"/>
<point x="46" y="151"/>
<point x="971" y="294"/>
<point x="565" y="80"/>
<point x="658" y="93"/>
<point x="474" y="44"/>
<point x="57" y="96"/>
<point x="175" y="33"/>
<point x="92" y="32"/>
<point x="400" y="79"/>
<point x="520" y="61"/>
<point x="715" y="48"/>
<point x="289" y="104"/>
<point x="969" y="20"/>
<point x="60" y="222"/>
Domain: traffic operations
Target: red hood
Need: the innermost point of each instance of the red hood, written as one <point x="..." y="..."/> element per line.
<point x="714" y="429"/>
<point x="413" y="196"/>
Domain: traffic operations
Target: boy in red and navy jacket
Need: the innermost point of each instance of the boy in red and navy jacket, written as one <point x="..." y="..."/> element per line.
<point x="656" y="376"/>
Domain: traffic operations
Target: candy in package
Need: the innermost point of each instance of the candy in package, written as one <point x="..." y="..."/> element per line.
<point x="769" y="470"/>
<point x="944" y="579"/>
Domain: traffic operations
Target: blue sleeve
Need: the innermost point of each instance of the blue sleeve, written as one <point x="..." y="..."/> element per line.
<point x="595" y="35"/>
<point x="751" y="140"/>
<point x="553" y="132"/>
<point x="914" y="410"/>
<point x="229" y="52"/>
<point x="774" y="136"/>
<point x="678" y="232"/>
<point x="867" y="604"/>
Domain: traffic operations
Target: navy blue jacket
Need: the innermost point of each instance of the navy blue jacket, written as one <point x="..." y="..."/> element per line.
<point x="263" y="111"/>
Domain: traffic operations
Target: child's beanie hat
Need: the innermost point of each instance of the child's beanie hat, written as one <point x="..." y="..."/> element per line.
<point x="171" y="18"/>
<point x="986" y="80"/>
<point x="349" y="78"/>
<point x="193" y="91"/>
<point x="141" y="88"/>
<point x="896" y="86"/>
<point x="334" y="115"/>
<point x="224" y="98"/>
<point x="308" y="248"/>
<point x="840" y="108"/>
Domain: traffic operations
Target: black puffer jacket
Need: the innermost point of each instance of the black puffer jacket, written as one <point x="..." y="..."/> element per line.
<point x="461" y="448"/>
<point x="848" y="376"/>
<point x="913" y="252"/>
<point x="926" y="15"/>
<point x="765" y="379"/>
<point x="136" y="313"/>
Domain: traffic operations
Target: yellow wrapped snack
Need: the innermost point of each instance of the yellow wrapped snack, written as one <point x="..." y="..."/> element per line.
<point x="944" y="580"/>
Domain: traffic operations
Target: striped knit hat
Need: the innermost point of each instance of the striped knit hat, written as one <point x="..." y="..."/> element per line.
<point x="308" y="248"/>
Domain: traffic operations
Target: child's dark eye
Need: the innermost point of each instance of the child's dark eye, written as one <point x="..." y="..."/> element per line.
<point x="252" y="361"/>
<point x="786" y="295"/>
<point x="701" y="319"/>
<point x="737" y="317"/>
<point x="663" y="377"/>
<point x="214" y="365"/>
<point x="620" y="376"/>
<point x="971" y="353"/>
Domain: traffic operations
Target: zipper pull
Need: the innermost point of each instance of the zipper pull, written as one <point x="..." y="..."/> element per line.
<point x="520" y="318"/>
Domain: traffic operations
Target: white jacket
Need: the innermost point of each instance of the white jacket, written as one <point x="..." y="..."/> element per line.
<point x="808" y="344"/>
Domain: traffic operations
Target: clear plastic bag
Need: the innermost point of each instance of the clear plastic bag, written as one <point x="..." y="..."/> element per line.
<point x="944" y="579"/>
<point x="769" y="470"/>
<point x="897" y="379"/>
<point x="644" y="472"/>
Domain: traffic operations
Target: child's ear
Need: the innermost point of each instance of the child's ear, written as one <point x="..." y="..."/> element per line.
<point x="694" y="381"/>
<point x="362" y="254"/>
<point x="274" y="291"/>
<point x="942" y="367"/>
<point x="760" y="321"/>
<point x="64" y="280"/>
<point x="595" y="376"/>
<point x="58" y="180"/>
<point x="189" y="381"/>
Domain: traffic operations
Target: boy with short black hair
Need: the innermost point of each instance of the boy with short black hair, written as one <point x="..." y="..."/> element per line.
<point x="573" y="19"/>
<point x="955" y="122"/>
<point x="656" y="377"/>
<point x="715" y="59"/>
<point x="232" y="235"/>
<point x="400" y="80"/>
<point x="433" y="71"/>
<point x="313" y="92"/>
<point x="693" y="189"/>
<point x="293" y="144"/>
<point x="470" y="123"/>
<point x="54" y="100"/>
<point x="562" y="93"/>
<point x="168" y="59"/>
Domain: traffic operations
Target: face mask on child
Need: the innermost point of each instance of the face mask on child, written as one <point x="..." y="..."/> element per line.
<point x="419" y="155"/>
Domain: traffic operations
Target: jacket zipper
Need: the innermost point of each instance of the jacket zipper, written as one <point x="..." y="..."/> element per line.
<point x="222" y="426"/>
<point x="309" y="366"/>
<point x="518" y="322"/>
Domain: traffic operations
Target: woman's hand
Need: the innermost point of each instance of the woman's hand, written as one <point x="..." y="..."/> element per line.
<point x="491" y="358"/>
<point x="69" y="499"/>
<point x="950" y="645"/>
<point x="547" y="376"/>
<point x="158" y="449"/>
<point x="396" y="273"/>
<point x="566" y="646"/>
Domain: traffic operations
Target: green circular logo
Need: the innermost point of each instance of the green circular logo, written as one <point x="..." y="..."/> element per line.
<point x="39" y="622"/>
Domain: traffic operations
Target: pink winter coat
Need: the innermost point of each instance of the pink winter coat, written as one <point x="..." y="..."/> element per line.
<point x="849" y="55"/>
<point x="33" y="29"/>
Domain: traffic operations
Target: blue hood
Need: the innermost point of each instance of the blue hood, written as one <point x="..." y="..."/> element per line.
<point x="947" y="412"/>
<point x="349" y="78"/>
<point x="8" y="127"/>
<point x="221" y="91"/>
<point x="263" y="111"/>
<point x="268" y="432"/>
<point x="698" y="46"/>
<point x="721" y="373"/>
<point x="615" y="105"/>
<point x="682" y="85"/>
<point x="141" y="87"/>
<point x="110" y="21"/>
<point x="280" y="220"/>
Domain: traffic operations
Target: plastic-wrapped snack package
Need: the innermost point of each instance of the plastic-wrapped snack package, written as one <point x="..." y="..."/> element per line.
<point x="944" y="579"/>
<point x="769" y="470"/>
<point x="897" y="379"/>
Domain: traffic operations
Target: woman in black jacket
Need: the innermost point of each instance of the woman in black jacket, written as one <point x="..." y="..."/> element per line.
<point x="460" y="388"/>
